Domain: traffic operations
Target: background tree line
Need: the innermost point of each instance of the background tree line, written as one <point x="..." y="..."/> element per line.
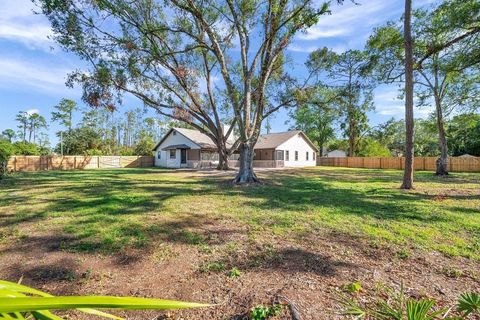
<point x="97" y="132"/>
<point x="446" y="56"/>
<point x="205" y="63"/>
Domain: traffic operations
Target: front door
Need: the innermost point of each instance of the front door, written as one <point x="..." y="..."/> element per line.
<point x="183" y="156"/>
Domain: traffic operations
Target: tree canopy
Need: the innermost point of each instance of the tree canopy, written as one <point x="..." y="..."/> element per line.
<point x="176" y="56"/>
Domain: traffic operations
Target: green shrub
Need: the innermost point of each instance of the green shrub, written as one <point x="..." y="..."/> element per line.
<point x="212" y="267"/>
<point x="352" y="287"/>
<point x="234" y="273"/>
<point x="469" y="303"/>
<point x="388" y="304"/>
<point x="265" y="312"/>
<point x="93" y="152"/>
<point x="25" y="149"/>
<point x="403" y="254"/>
<point x="6" y="151"/>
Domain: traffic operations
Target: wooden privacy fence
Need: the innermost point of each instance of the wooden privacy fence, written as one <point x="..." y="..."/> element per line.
<point x="37" y="163"/>
<point x="459" y="164"/>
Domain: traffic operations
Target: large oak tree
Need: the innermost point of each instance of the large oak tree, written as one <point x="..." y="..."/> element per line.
<point x="203" y="62"/>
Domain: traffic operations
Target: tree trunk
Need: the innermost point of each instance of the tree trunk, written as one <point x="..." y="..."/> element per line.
<point x="351" y="145"/>
<point x="320" y="148"/>
<point x="409" y="123"/>
<point x="222" y="158"/>
<point x="245" y="173"/>
<point x="442" y="161"/>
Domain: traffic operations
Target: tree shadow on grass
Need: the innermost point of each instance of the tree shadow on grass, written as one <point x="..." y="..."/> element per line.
<point x="105" y="211"/>
<point x="303" y="193"/>
<point x="288" y="260"/>
<point x="359" y="175"/>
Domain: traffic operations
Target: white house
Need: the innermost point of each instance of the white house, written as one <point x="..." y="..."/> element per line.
<point x="293" y="148"/>
<point x="186" y="148"/>
<point x="336" y="154"/>
<point x="183" y="148"/>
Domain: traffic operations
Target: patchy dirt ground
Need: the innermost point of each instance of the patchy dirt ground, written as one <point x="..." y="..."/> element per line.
<point x="306" y="268"/>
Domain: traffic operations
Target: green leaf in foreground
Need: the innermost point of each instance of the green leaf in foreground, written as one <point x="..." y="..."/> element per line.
<point x="469" y="303"/>
<point x="21" y="302"/>
<point x="26" y="304"/>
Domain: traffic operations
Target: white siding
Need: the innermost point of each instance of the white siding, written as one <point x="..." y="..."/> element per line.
<point x="337" y="154"/>
<point x="172" y="139"/>
<point x="298" y="143"/>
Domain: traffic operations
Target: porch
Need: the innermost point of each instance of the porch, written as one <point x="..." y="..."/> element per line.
<point x="208" y="159"/>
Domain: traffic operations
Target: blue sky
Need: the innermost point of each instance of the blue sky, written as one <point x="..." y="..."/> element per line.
<point x="33" y="69"/>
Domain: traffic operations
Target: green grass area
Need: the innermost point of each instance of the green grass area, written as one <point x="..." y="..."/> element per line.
<point x="109" y="210"/>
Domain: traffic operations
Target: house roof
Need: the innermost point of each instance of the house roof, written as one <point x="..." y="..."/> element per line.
<point x="273" y="140"/>
<point x="200" y="139"/>
<point x="176" y="146"/>
<point x="265" y="141"/>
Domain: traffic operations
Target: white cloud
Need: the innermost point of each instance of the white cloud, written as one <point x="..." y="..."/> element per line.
<point x="390" y="110"/>
<point x="19" y="23"/>
<point x="387" y="103"/>
<point x="33" y="75"/>
<point x="300" y="48"/>
<point x="349" y="19"/>
<point x="32" y="111"/>
<point x="317" y="32"/>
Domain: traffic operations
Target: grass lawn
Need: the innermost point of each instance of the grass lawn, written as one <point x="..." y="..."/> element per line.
<point x="108" y="210"/>
<point x="164" y="215"/>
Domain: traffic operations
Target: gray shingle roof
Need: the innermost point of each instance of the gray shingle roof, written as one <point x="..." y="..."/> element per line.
<point x="176" y="146"/>
<point x="273" y="140"/>
<point x="265" y="141"/>
<point x="199" y="138"/>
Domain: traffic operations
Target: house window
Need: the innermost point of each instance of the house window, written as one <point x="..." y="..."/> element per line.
<point x="314" y="154"/>
<point x="159" y="154"/>
<point x="278" y="155"/>
<point x="173" y="153"/>
<point x="209" y="156"/>
<point x="287" y="155"/>
<point x="306" y="156"/>
<point x="174" y="133"/>
<point x="296" y="155"/>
